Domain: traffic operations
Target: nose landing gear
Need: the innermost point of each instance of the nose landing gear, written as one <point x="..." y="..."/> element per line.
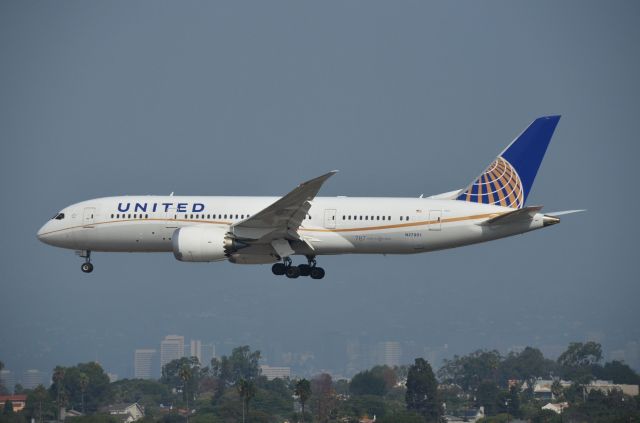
<point x="86" y="267"/>
<point x="292" y="272"/>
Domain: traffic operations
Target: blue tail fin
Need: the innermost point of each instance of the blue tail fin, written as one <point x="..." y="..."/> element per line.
<point x="508" y="180"/>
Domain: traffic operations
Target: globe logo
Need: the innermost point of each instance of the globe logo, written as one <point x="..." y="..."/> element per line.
<point x="499" y="185"/>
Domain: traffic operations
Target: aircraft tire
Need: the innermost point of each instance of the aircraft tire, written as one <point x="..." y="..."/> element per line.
<point x="278" y="269"/>
<point x="87" y="267"/>
<point x="305" y="269"/>
<point x="292" y="272"/>
<point x="317" y="273"/>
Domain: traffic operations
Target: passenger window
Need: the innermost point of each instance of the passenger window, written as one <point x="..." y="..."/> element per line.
<point x="377" y="217"/>
<point x="129" y="216"/>
<point x="236" y="216"/>
<point x="400" y="218"/>
<point x="382" y="217"/>
<point x="208" y="216"/>
<point x="242" y="216"/>
<point x="135" y="216"/>
<point x="112" y="216"/>
<point x="406" y="218"/>
<point x="366" y="218"/>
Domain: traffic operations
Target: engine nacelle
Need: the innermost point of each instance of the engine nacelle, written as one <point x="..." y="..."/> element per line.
<point x="197" y="243"/>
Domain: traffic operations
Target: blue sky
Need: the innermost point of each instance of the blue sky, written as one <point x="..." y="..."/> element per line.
<point x="250" y="98"/>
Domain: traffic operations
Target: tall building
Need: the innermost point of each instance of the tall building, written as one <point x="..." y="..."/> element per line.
<point x="171" y="348"/>
<point x="390" y="353"/>
<point x="8" y="379"/>
<point x="143" y="364"/>
<point x="195" y="350"/>
<point x="32" y="378"/>
<point x="208" y="353"/>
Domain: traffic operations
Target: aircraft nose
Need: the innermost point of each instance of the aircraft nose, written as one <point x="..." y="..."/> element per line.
<point x="41" y="234"/>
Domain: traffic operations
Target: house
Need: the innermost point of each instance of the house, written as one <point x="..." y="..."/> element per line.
<point x="542" y="388"/>
<point x="17" y="401"/>
<point x="606" y="386"/>
<point x="470" y="415"/>
<point x="556" y="408"/>
<point x="126" y="412"/>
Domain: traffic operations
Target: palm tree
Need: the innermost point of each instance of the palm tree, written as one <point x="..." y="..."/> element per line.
<point x="58" y="377"/>
<point x="185" y="375"/>
<point x="247" y="390"/>
<point x="303" y="391"/>
<point x="84" y="382"/>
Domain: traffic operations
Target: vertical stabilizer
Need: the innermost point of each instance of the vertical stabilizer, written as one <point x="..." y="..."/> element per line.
<point x="508" y="179"/>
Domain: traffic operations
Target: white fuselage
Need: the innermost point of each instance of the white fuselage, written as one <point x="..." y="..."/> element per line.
<point x="334" y="225"/>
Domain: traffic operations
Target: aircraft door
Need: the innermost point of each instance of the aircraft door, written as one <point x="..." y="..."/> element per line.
<point x="435" y="216"/>
<point x="88" y="217"/>
<point x="330" y="218"/>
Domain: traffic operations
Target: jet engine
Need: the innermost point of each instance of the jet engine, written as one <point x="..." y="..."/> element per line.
<point x="197" y="243"/>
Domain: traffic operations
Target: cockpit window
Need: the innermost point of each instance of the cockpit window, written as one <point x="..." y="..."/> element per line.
<point x="59" y="216"/>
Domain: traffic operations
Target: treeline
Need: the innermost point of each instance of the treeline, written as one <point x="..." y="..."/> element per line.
<point x="231" y="389"/>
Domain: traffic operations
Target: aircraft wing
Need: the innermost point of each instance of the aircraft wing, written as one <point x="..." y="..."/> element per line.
<point x="281" y="220"/>
<point x="523" y="214"/>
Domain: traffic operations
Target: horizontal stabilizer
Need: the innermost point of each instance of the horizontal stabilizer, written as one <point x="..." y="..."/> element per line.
<point x="560" y="213"/>
<point x="518" y="215"/>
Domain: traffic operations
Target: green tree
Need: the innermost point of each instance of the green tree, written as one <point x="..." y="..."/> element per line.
<point x="246" y="390"/>
<point x="527" y="364"/>
<point x="577" y="361"/>
<point x="8" y="408"/>
<point x="87" y="386"/>
<point x="83" y="382"/>
<point x="323" y="398"/>
<point x="241" y="364"/>
<point x="2" y="387"/>
<point x="618" y="372"/>
<point x="303" y="392"/>
<point x="58" y="387"/>
<point x="174" y="371"/>
<point x="422" y="391"/>
<point x="579" y="354"/>
<point x="367" y="383"/>
<point x="39" y="404"/>
<point x="488" y="396"/>
<point x="471" y="370"/>
<point x="185" y="374"/>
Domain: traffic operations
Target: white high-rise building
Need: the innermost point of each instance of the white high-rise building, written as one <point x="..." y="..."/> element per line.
<point x="171" y="348"/>
<point x="275" y="372"/>
<point x="390" y="353"/>
<point x="143" y="363"/>
<point x="8" y="379"/>
<point x="31" y="379"/>
<point x="196" y="350"/>
<point x="208" y="352"/>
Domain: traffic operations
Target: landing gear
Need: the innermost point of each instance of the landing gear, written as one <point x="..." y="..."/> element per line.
<point x="86" y="267"/>
<point x="292" y="272"/>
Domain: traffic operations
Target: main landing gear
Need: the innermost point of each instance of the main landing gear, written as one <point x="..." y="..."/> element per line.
<point x="86" y="267"/>
<point x="286" y="268"/>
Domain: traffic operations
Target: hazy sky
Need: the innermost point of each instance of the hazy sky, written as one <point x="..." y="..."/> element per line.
<point x="251" y="98"/>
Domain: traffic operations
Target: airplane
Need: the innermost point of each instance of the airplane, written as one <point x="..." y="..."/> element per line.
<point x="271" y="230"/>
